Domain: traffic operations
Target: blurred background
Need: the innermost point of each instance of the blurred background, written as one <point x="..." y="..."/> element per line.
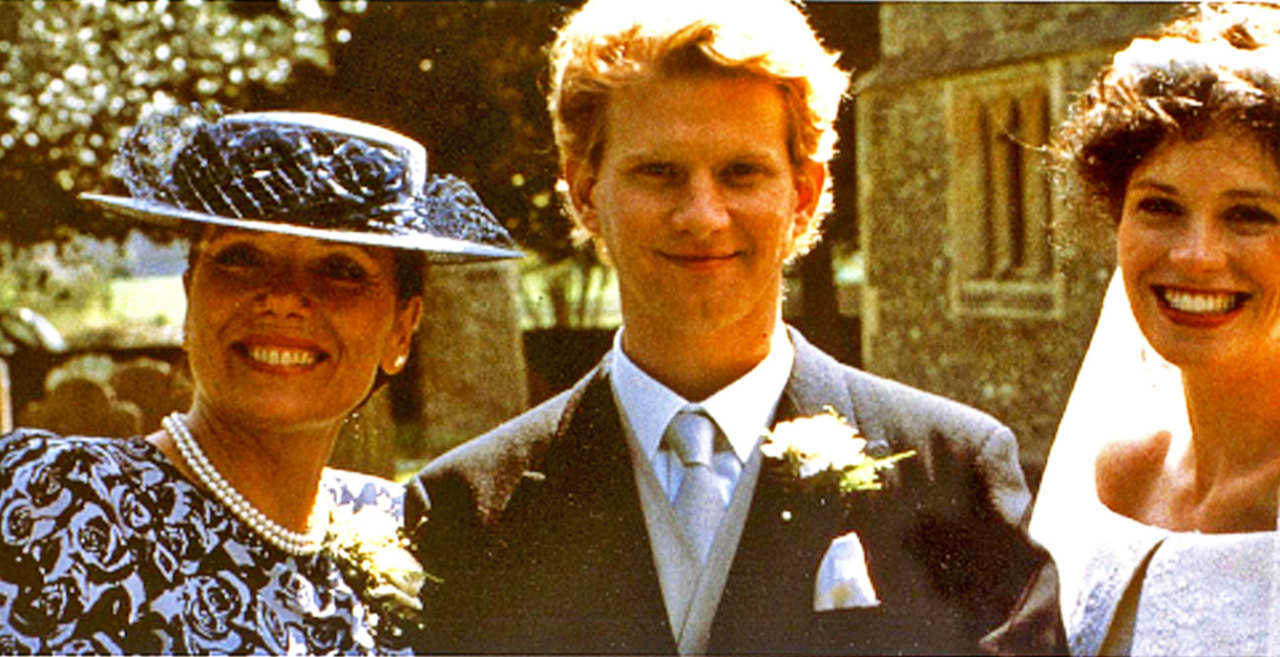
<point x="941" y="266"/>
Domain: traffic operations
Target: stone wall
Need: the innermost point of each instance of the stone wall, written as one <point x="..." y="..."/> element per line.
<point x="965" y="296"/>
<point x="468" y="357"/>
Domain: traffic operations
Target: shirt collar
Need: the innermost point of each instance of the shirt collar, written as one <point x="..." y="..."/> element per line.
<point x="743" y="409"/>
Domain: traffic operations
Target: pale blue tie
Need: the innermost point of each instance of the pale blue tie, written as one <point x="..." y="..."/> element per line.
<point x="699" y="503"/>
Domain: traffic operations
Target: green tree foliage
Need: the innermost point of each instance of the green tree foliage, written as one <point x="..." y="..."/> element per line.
<point x="52" y="279"/>
<point x="75" y="75"/>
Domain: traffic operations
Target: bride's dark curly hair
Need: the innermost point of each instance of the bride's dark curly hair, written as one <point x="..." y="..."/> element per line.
<point x="1216" y="67"/>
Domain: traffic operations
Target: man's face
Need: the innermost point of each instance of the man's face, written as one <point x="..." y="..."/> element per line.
<point x="697" y="200"/>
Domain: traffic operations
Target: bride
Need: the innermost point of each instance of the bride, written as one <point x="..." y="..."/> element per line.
<point x="1170" y="447"/>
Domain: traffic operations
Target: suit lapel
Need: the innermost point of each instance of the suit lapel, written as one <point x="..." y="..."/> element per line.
<point x="770" y="585"/>
<point x="582" y="539"/>
<point x="818" y="381"/>
<point x="768" y="601"/>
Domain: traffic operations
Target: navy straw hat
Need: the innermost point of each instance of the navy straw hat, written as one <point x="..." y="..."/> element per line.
<point x="312" y="175"/>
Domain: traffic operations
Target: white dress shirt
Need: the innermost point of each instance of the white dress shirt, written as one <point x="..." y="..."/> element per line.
<point x="743" y="410"/>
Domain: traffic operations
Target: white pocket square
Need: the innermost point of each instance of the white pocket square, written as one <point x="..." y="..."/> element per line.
<point x="843" y="581"/>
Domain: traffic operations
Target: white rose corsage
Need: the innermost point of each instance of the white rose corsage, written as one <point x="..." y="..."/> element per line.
<point x="375" y="557"/>
<point x="820" y="448"/>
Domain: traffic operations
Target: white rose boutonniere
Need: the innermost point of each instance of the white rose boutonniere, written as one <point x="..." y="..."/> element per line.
<point x="375" y="557"/>
<point x="824" y="447"/>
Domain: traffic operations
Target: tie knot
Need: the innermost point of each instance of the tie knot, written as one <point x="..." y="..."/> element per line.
<point x="692" y="435"/>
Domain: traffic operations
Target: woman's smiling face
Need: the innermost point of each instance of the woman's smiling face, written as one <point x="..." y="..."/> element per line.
<point x="1199" y="246"/>
<point x="291" y="330"/>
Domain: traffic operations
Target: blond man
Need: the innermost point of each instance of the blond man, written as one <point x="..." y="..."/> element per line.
<point x="636" y="512"/>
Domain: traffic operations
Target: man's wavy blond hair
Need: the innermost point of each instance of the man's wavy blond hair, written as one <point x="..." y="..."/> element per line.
<point x="608" y="44"/>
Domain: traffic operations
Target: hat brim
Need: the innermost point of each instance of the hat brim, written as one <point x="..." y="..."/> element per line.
<point x="435" y="248"/>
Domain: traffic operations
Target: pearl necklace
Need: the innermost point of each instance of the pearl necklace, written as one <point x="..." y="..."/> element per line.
<point x="295" y="543"/>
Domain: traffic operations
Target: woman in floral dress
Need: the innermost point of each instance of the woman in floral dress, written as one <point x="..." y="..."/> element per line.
<point x="223" y="531"/>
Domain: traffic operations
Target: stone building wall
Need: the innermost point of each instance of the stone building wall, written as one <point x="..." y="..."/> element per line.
<point x="965" y="296"/>
<point x="468" y="359"/>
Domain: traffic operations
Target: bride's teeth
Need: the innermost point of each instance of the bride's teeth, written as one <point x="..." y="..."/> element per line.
<point x="1199" y="302"/>
<point x="284" y="357"/>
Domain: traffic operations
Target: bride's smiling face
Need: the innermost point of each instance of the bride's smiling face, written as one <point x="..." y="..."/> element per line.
<point x="1199" y="246"/>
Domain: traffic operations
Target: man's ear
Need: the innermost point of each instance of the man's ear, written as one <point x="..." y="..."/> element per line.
<point x="809" y="179"/>
<point x="581" y="178"/>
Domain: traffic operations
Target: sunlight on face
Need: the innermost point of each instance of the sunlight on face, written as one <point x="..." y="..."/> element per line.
<point x="290" y="329"/>
<point x="1201" y="253"/>
<point x="697" y="200"/>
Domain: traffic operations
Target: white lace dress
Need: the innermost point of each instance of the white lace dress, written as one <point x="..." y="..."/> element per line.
<point x="1151" y="591"/>
<point x="1128" y="588"/>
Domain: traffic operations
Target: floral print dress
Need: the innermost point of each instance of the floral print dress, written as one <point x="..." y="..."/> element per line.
<point x="106" y="548"/>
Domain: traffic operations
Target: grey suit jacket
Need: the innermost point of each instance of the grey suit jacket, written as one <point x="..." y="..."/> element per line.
<point x="537" y="531"/>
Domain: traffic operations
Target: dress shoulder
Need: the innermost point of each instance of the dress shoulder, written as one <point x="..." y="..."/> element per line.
<point x="99" y="454"/>
<point x="46" y="478"/>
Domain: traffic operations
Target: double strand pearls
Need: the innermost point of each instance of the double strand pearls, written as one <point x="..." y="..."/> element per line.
<point x="295" y="543"/>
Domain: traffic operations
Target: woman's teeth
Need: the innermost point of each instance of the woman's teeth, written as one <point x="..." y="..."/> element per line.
<point x="1200" y="303"/>
<point x="283" y="357"/>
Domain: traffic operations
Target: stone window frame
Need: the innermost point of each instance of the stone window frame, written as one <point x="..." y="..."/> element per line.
<point x="1000" y="197"/>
